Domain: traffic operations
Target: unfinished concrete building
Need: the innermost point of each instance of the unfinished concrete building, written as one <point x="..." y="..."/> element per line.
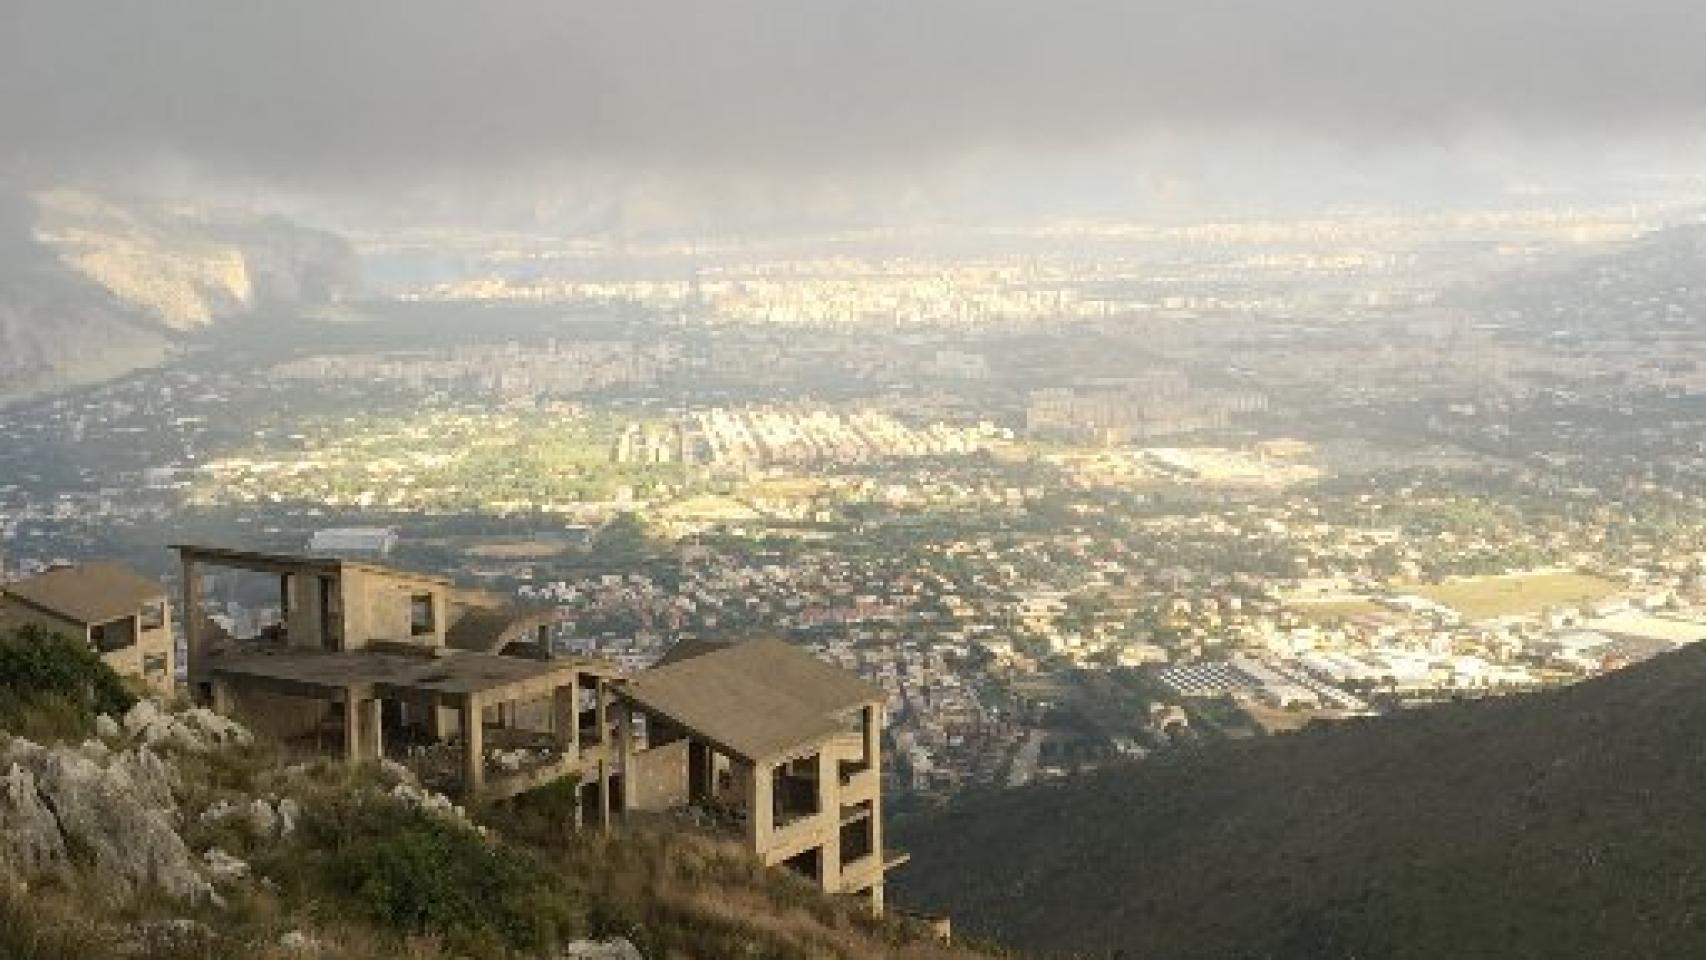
<point x="121" y="614"/>
<point x="767" y="743"/>
<point x="761" y="741"/>
<point x="368" y="662"/>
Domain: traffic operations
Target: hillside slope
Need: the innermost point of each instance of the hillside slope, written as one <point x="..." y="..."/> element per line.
<point x="91" y="287"/>
<point x="133" y="830"/>
<point x="1565" y="824"/>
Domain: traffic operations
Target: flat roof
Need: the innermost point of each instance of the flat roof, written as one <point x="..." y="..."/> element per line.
<point x="757" y="699"/>
<point x="455" y="674"/>
<point x="92" y="593"/>
<point x="257" y="560"/>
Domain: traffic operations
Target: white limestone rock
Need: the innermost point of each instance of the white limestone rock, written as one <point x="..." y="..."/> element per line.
<point x="289" y="814"/>
<point x="107" y="728"/>
<point x="109" y="814"/>
<point x="153" y="780"/>
<point x="429" y="801"/>
<point x="617" y="949"/>
<point x="392" y="772"/>
<point x="95" y="750"/>
<point x="29" y="832"/>
<point x="298" y="942"/>
<point x="196" y="730"/>
<point x="215" y="729"/>
<point x="223" y="866"/>
<point x="120" y="812"/>
<point x="218" y="812"/>
<point x="263" y="820"/>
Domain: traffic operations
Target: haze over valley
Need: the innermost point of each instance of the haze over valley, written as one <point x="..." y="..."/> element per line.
<point x="1202" y="461"/>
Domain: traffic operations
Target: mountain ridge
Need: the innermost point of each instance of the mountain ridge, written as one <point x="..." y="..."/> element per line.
<point x="1562" y="824"/>
<point x="92" y="287"/>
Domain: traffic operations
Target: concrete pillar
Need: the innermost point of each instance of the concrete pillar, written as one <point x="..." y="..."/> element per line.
<point x="565" y="718"/>
<point x="874" y="750"/>
<point x="352" y="727"/>
<point x="443" y="721"/>
<point x="760" y="807"/>
<point x="872" y="717"/>
<point x="604" y="811"/>
<point x="286" y="607"/>
<point x="625" y="751"/>
<point x="877" y="899"/>
<point x="224" y="701"/>
<point x="473" y="749"/>
<point x="372" y="728"/>
<point x="829" y="818"/>
<point x="601" y="696"/>
<point x="193" y="641"/>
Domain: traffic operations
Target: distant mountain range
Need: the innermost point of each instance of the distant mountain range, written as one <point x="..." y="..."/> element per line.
<point x="1567" y="824"/>
<point x="92" y="287"/>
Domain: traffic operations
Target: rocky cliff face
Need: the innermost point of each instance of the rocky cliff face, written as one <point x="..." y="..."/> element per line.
<point x="91" y="287"/>
<point x="111" y="798"/>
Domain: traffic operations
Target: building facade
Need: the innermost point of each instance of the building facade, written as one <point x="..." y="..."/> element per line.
<point x="121" y="614"/>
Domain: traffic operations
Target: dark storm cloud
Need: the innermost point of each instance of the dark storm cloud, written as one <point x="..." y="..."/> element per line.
<point x="310" y="91"/>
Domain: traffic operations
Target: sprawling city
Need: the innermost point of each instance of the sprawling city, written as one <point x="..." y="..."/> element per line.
<point x="1062" y="512"/>
<point x="852" y="479"/>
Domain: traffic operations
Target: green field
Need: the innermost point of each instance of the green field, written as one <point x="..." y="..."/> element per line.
<point x="1483" y="598"/>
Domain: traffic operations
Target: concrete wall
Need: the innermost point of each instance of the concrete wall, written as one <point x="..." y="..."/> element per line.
<point x="302" y="625"/>
<point x="155" y="646"/>
<point x="278" y="716"/>
<point x="376" y="607"/>
<point x="657" y="778"/>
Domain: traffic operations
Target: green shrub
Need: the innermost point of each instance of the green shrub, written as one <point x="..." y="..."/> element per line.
<point x="544" y="815"/>
<point x="52" y="686"/>
<point x="422" y="875"/>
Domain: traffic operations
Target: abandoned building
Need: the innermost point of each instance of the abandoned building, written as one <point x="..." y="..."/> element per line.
<point x="369" y="662"/>
<point x="759" y="741"/>
<point x="770" y="744"/>
<point x="120" y="613"/>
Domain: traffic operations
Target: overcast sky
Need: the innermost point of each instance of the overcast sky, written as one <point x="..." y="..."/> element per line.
<point x="350" y="94"/>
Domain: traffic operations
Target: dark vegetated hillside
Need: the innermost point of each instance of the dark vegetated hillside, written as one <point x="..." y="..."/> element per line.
<point x="1565" y="824"/>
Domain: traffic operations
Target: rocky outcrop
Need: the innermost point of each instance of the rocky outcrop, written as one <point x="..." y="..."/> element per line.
<point x="617" y="949"/>
<point x="114" y="802"/>
<point x="29" y="832"/>
<point x="196" y="730"/>
<point x="114" y="807"/>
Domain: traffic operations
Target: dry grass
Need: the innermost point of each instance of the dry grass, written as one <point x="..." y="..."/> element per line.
<point x="675" y="894"/>
<point x="1516" y="594"/>
<point x="1333" y="611"/>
